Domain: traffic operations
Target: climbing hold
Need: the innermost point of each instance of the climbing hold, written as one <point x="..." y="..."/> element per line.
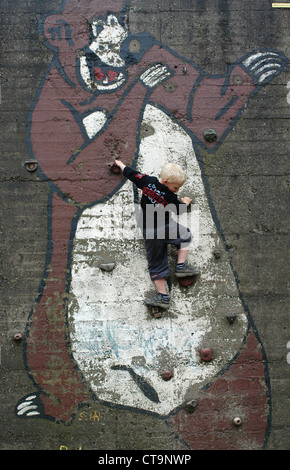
<point x="170" y="87"/>
<point x="187" y="281"/>
<point x="107" y="266"/>
<point x="210" y="135"/>
<point x="31" y="165"/>
<point x="156" y="312"/>
<point x="231" y="318"/>
<point x="238" y="80"/>
<point x="167" y="375"/>
<point x="237" y="421"/>
<point x="134" y="46"/>
<point x="190" y="406"/>
<point x="18" y="336"/>
<point x="217" y="254"/>
<point x="114" y="168"/>
<point x="206" y="354"/>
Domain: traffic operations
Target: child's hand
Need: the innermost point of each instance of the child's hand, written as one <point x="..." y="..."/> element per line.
<point x="119" y="164"/>
<point x="186" y="200"/>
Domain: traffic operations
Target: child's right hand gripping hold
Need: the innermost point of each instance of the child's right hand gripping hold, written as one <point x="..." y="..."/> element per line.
<point x="120" y="164"/>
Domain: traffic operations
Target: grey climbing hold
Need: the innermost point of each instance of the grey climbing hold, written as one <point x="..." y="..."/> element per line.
<point x="238" y="80"/>
<point x="190" y="406"/>
<point x="217" y="254"/>
<point x="107" y="266"/>
<point x="31" y="165"/>
<point x="210" y="135"/>
<point x="231" y="318"/>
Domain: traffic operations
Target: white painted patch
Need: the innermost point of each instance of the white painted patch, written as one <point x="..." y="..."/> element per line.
<point x="84" y="71"/>
<point x="94" y="122"/>
<point x="154" y="75"/>
<point x="108" y="41"/>
<point x="109" y="324"/>
<point x="260" y="62"/>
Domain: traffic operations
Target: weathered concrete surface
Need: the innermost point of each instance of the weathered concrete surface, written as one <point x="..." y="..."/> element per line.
<point x="249" y="182"/>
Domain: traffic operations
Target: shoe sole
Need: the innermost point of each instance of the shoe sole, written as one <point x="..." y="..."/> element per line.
<point x="187" y="274"/>
<point x="165" y="306"/>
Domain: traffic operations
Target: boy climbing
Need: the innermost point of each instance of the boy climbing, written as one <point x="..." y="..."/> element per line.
<point x="159" y="201"/>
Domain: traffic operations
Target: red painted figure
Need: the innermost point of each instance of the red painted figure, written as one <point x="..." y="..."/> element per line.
<point x="111" y="80"/>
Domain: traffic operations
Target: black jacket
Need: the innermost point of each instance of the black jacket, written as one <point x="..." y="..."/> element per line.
<point x="155" y="198"/>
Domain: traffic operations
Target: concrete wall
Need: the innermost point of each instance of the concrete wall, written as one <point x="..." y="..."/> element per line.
<point x="82" y="358"/>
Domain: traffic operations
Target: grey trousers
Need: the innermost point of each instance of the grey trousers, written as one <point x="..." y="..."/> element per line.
<point x="156" y="250"/>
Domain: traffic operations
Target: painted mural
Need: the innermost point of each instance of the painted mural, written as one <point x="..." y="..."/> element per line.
<point x="107" y="94"/>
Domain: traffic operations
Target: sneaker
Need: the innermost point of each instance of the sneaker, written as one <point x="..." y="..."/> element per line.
<point x="157" y="301"/>
<point x="186" y="270"/>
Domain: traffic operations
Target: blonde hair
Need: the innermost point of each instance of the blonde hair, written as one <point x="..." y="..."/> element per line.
<point x="173" y="174"/>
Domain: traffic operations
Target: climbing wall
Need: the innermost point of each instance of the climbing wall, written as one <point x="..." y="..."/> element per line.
<point x="86" y="364"/>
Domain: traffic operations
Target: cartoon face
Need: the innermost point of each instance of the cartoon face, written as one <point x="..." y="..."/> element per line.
<point x="101" y="63"/>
